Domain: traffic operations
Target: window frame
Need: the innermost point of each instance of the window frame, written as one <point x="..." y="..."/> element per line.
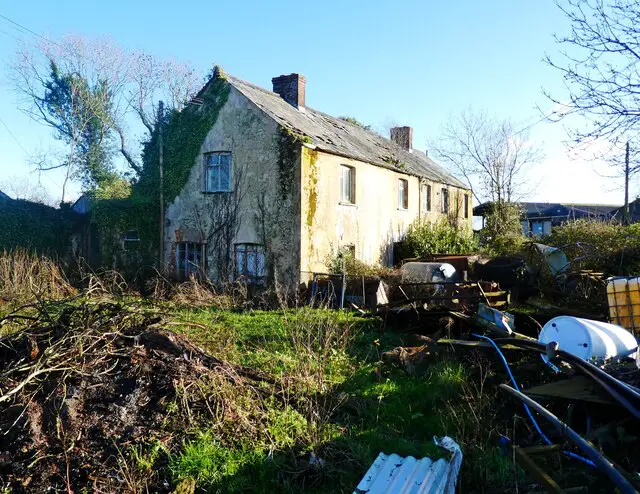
<point x="351" y="173"/>
<point x="208" y="166"/>
<point x="425" y="198"/>
<point x="444" y="201"/>
<point x="242" y="271"/>
<point x="185" y="266"/>
<point x="466" y="206"/>
<point x="403" y="194"/>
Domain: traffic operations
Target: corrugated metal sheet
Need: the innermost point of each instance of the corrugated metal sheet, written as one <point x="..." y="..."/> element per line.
<point x="394" y="474"/>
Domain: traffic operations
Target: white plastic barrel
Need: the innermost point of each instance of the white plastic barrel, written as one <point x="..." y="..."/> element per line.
<point x="587" y="339"/>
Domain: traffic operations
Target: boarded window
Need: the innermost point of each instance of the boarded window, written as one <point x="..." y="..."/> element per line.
<point x="347" y="184"/>
<point x="445" y="200"/>
<point x="466" y="206"/>
<point x="403" y="194"/>
<point x="188" y="259"/>
<point x="250" y="262"/>
<point x="425" y="196"/>
<point x="217" y="173"/>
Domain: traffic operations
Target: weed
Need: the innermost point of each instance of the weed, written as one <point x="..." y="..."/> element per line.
<point x="25" y="275"/>
<point x="138" y="465"/>
<point x="217" y="468"/>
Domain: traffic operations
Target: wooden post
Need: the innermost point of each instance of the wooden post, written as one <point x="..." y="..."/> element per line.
<point x="160" y="123"/>
<point x="626" y="184"/>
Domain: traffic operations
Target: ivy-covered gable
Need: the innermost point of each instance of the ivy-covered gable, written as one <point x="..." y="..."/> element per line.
<point x="183" y="133"/>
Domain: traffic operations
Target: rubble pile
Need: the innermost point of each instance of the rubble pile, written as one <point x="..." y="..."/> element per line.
<point x="81" y="386"/>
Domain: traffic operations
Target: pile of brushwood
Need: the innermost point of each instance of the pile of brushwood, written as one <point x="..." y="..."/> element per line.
<point x="82" y="384"/>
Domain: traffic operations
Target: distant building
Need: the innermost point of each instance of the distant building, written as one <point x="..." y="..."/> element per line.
<point x="539" y="217"/>
<point x="634" y="212"/>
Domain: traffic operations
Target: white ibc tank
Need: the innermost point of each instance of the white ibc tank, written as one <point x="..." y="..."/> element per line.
<point x="587" y="339"/>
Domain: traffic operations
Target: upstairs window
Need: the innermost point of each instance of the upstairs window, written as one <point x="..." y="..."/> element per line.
<point x="445" y="200"/>
<point x="250" y="262"/>
<point x="426" y="198"/>
<point x="217" y="172"/>
<point x="347" y="184"/>
<point x="403" y="194"/>
<point x="466" y="206"/>
<point x="188" y="259"/>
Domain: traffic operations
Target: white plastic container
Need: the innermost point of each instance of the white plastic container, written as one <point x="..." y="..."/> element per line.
<point x="588" y="339"/>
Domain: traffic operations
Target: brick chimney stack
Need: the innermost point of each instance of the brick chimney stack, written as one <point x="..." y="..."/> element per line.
<point x="290" y="88"/>
<point x="403" y="137"/>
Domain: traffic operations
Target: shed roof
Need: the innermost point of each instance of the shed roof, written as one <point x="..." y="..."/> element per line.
<point x="337" y="136"/>
<point x="556" y="210"/>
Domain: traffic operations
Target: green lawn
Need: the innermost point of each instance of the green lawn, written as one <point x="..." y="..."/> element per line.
<point x="338" y="404"/>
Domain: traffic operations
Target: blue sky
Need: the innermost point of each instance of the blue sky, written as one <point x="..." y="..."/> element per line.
<point x="412" y="62"/>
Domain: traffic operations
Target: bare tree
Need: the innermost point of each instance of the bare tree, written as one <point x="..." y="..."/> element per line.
<point x="488" y="153"/>
<point x="132" y="82"/>
<point x="26" y="189"/>
<point x="217" y="219"/>
<point x="599" y="66"/>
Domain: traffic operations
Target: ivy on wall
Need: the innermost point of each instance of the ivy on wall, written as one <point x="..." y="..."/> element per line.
<point x="183" y="135"/>
<point x="288" y="156"/>
<point x="35" y="227"/>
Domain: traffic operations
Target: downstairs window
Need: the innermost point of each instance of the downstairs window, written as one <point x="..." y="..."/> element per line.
<point x="250" y="262"/>
<point x="188" y="259"/>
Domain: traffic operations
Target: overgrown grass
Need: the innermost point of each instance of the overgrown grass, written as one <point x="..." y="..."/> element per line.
<point x="25" y="275"/>
<point x="339" y="406"/>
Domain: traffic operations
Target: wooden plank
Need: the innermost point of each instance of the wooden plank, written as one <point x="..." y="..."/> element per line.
<point x="542" y="450"/>
<point x="536" y="472"/>
<point x="576" y="388"/>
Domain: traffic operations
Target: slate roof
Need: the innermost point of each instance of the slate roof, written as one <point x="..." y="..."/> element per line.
<point x="336" y="136"/>
<point x="558" y="210"/>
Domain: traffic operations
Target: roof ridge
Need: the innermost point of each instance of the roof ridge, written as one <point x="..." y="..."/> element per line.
<point x="340" y="137"/>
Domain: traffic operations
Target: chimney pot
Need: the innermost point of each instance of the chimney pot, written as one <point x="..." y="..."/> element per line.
<point x="403" y="137"/>
<point x="291" y="88"/>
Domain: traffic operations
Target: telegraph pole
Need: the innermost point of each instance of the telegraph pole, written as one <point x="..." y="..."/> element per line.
<point x="161" y="168"/>
<point x="626" y="184"/>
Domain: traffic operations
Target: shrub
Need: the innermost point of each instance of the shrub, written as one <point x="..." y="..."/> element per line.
<point x="502" y="232"/>
<point x="599" y="245"/>
<point x="345" y="261"/>
<point x="425" y="238"/>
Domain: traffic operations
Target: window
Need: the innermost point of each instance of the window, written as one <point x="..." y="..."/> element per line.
<point x="403" y="194"/>
<point x="131" y="240"/>
<point x="426" y="197"/>
<point x="217" y="172"/>
<point x="466" y="206"/>
<point x="445" y="200"/>
<point x="347" y="184"/>
<point x="188" y="259"/>
<point x="250" y="262"/>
